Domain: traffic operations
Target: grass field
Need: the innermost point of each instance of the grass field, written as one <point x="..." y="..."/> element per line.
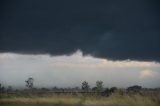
<point x="80" y="100"/>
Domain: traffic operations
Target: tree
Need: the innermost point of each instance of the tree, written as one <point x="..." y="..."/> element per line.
<point x="29" y="82"/>
<point x="85" y="86"/>
<point x="2" y="89"/>
<point x="0" y="86"/>
<point x="134" y="88"/>
<point x="99" y="85"/>
<point x="113" y="89"/>
<point x="106" y="92"/>
<point x="9" y="89"/>
<point x="94" y="89"/>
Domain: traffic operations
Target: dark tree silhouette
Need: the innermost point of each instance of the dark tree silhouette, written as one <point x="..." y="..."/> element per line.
<point x="106" y="92"/>
<point x="134" y="88"/>
<point x="85" y="86"/>
<point x="113" y="89"/>
<point x="94" y="89"/>
<point x="9" y="89"/>
<point x="2" y="89"/>
<point x="99" y="85"/>
<point x="29" y="83"/>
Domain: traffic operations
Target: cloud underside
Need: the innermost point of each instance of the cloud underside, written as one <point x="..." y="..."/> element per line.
<point x="113" y="30"/>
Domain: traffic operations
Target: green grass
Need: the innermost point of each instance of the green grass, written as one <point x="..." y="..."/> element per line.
<point x="80" y="100"/>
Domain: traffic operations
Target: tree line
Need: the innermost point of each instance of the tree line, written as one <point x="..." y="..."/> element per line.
<point x="85" y="88"/>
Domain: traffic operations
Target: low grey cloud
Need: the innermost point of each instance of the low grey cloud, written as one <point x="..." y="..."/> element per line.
<point x="70" y="71"/>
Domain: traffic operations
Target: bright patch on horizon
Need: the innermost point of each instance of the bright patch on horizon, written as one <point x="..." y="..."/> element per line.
<point x="147" y="74"/>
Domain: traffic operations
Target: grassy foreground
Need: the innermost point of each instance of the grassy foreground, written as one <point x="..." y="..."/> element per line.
<point x="80" y="100"/>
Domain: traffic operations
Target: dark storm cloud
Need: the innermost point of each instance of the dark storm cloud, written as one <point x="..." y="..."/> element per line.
<point x="113" y="29"/>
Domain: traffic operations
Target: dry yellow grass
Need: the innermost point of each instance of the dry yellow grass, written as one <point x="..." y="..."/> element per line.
<point x="70" y="100"/>
<point x="41" y="100"/>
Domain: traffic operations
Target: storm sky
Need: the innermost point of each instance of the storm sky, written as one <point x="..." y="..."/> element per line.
<point x="68" y="41"/>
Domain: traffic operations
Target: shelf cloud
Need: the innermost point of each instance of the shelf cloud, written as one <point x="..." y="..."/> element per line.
<point x="112" y="29"/>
